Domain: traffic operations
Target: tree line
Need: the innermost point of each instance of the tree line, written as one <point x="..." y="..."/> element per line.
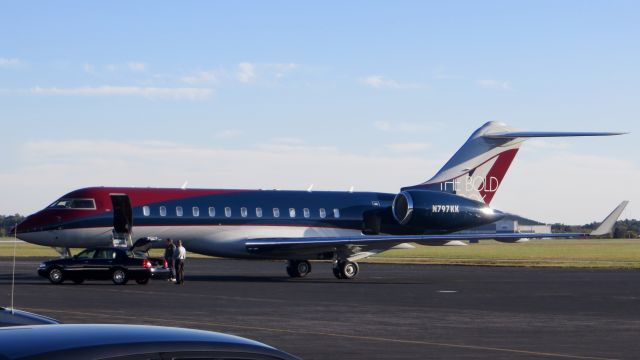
<point x="629" y="228"/>
<point x="7" y="222"/>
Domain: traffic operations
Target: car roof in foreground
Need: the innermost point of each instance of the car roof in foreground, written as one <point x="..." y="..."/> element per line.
<point x="119" y="340"/>
<point x="20" y="317"/>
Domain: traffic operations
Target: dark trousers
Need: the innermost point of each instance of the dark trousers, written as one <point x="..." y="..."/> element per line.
<point x="179" y="271"/>
<point x="172" y="269"/>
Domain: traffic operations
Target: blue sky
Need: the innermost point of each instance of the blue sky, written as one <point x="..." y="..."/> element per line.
<point x="281" y="94"/>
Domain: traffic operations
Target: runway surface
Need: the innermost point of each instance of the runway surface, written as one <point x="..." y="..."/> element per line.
<point x="388" y="312"/>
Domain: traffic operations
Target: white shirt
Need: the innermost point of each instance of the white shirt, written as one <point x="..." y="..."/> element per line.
<point x="182" y="253"/>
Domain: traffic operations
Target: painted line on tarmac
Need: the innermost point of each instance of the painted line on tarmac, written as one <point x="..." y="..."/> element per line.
<point x="345" y="336"/>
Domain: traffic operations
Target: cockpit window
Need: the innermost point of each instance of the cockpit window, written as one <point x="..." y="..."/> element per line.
<point x="74" y="204"/>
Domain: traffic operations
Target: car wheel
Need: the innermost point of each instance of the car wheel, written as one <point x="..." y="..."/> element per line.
<point x="143" y="281"/>
<point x="78" y="280"/>
<point x="119" y="277"/>
<point x="55" y="276"/>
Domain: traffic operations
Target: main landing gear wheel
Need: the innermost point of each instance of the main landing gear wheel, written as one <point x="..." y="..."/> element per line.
<point x="298" y="268"/>
<point x="344" y="269"/>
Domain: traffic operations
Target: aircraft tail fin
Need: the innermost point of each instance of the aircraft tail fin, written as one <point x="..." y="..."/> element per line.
<point x="476" y="170"/>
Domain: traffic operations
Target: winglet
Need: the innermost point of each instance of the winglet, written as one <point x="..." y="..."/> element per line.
<point x="606" y="227"/>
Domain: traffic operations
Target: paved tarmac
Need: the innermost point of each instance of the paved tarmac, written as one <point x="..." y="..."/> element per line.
<point x="388" y="312"/>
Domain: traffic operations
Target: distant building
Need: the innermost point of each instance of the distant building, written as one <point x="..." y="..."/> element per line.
<point x="511" y="224"/>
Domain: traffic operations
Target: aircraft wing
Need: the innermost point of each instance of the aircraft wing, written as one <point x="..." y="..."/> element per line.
<point x="281" y="246"/>
<point x="375" y="243"/>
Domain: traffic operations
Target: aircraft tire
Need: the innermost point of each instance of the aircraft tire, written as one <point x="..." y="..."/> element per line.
<point x="336" y="272"/>
<point x="348" y="269"/>
<point x="297" y="268"/>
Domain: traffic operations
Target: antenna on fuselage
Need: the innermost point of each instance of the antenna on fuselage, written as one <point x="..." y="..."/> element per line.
<point x="184" y="186"/>
<point x="310" y="188"/>
<point x="351" y="189"/>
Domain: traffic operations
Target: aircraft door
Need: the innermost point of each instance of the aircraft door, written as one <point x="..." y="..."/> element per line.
<point x="122" y="219"/>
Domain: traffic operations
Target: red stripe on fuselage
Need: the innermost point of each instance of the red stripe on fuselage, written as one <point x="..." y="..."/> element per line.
<point x="145" y="196"/>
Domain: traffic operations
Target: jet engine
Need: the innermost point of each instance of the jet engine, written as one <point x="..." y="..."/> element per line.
<point x="440" y="211"/>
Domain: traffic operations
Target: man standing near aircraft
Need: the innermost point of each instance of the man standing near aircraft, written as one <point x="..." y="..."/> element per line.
<point x="180" y="254"/>
<point x="169" y="252"/>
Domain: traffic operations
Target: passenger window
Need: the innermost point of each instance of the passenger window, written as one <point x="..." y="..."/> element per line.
<point x="243" y="211"/>
<point x="336" y="213"/>
<point x="323" y="213"/>
<point x="259" y="212"/>
<point x="227" y="211"/>
<point x="276" y="212"/>
<point x="163" y="211"/>
<point x="179" y="210"/>
<point x="305" y="212"/>
<point x="146" y="211"/>
<point x="196" y="211"/>
<point x="212" y="211"/>
<point x="375" y="203"/>
<point x="292" y="212"/>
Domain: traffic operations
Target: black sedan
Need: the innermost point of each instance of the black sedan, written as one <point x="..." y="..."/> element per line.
<point x="104" y="263"/>
<point x="131" y="342"/>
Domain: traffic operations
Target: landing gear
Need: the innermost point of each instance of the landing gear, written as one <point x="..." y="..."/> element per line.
<point x="344" y="269"/>
<point x="298" y="268"/>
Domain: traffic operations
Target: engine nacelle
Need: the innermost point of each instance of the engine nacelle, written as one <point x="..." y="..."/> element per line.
<point x="440" y="211"/>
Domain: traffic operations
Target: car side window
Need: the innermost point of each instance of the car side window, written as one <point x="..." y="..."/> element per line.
<point x="106" y="254"/>
<point x="87" y="254"/>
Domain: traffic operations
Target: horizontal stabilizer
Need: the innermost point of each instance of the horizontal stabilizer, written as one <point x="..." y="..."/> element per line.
<point x="536" y="134"/>
<point x="606" y="227"/>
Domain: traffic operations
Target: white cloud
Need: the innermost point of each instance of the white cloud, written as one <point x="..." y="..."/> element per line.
<point x="89" y="68"/>
<point x="111" y="67"/>
<point x="282" y="69"/>
<point x="380" y="82"/>
<point x="382" y="125"/>
<point x="246" y="72"/>
<point x="9" y="62"/>
<point x="146" y="92"/>
<point x="137" y="66"/>
<point x="199" y="77"/>
<point x="504" y="85"/>
<point x="410" y="147"/>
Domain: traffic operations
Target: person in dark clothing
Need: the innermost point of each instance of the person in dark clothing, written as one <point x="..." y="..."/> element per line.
<point x="169" y="251"/>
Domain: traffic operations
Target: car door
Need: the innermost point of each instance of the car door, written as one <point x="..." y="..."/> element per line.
<point x="102" y="263"/>
<point x="79" y="266"/>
